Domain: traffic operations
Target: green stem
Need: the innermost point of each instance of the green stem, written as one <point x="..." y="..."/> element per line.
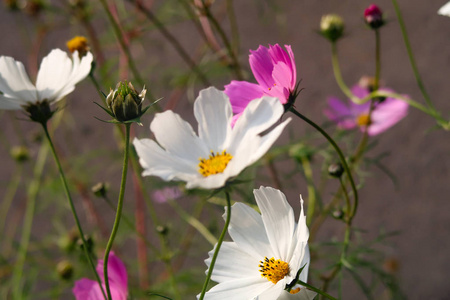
<point x="9" y="196"/>
<point x="32" y="193"/>
<point x="316" y="290"/>
<point x="311" y="189"/>
<point x="337" y="72"/>
<point x="72" y="206"/>
<point x="411" y="56"/>
<point x="338" y="151"/>
<point x="193" y="222"/>
<point x="118" y="211"/>
<point x="377" y="59"/>
<point x="219" y="244"/>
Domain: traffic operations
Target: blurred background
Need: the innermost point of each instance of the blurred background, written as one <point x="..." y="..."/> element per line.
<point x="411" y="199"/>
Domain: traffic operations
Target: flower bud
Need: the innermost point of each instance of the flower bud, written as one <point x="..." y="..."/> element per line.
<point x="124" y="103"/>
<point x="336" y="170"/>
<point x="162" y="230"/>
<point x="12" y="4"/>
<point x="64" y="269"/>
<point x="332" y="27"/>
<point x="373" y="17"/>
<point x="78" y="43"/>
<point x="338" y="214"/>
<point x="100" y="189"/>
<point x="34" y="7"/>
<point x="20" y="153"/>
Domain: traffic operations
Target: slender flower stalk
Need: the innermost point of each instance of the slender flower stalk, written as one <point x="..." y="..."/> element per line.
<point x="119" y="209"/>
<point x="219" y="244"/>
<point x="339" y="152"/>
<point x="72" y="206"/>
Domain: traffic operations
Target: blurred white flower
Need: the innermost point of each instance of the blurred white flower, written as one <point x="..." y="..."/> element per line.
<point x="219" y="152"/>
<point x="57" y="77"/>
<point x="267" y="251"/>
<point x="445" y="10"/>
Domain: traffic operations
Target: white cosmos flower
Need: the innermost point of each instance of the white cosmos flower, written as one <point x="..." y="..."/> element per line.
<point x="445" y="10"/>
<point x="218" y="152"/>
<point x="56" y="78"/>
<point x="243" y="267"/>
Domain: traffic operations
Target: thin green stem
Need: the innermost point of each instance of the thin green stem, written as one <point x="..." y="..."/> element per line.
<point x="218" y="245"/>
<point x="9" y="196"/>
<point x="322" y="293"/>
<point x="118" y="211"/>
<point x="347" y="200"/>
<point x="411" y="55"/>
<point x="377" y="59"/>
<point x="32" y="192"/>
<point x="338" y="151"/>
<point x="311" y="189"/>
<point x="124" y="47"/>
<point x="72" y="206"/>
<point x="337" y="72"/>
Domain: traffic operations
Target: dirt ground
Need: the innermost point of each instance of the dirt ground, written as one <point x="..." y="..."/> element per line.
<point x="420" y="159"/>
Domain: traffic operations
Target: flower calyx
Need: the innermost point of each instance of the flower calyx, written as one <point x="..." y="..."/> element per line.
<point x="39" y="111"/>
<point x="124" y="104"/>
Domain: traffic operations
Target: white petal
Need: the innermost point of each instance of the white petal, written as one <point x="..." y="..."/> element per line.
<point x="274" y="292"/>
<point x="302" y="235"/>
<point x="177" y="137"/>
<point x="15" y="84"/>
<point x="211" y="182"/>
<point x="212" y="109"/>
<point x="248" y="232"/>
<point x="445" y="10"/>
<point x="304" y="294"/>
<point x="233" y="263"/>
<point x="9" y="103"/>
<point x="305" y="262"/>
<point x="258" y="116"/>
<point x="239" y="289"/>
<point x="278" y="218"/>
<point x="58" y="74"/>
<point x="268" y="139"/>
<point x="158" y="162"/>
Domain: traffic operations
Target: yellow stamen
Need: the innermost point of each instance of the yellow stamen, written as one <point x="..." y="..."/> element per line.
<point x="78" y="43"/>
<point x="216" y="163"/>
<point x="363" y="120"/>
<point x="295" y="291"/>
<point x="273" y="270"/>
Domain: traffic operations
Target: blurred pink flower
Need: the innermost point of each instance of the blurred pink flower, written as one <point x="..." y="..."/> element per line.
<point x="86" y="289"/>
<point x="275" y="72"/>
<point x="349" y="115"/>
<point x="167" y="193"/>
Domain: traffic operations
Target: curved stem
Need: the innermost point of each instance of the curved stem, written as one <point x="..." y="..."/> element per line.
<point x="118" y="211"/>
<point x="219" y="243"/>
<point x="377" y="60"/>
<point x="316" y="290"/>
<point x="72" y="207"/>
<point x="337" y="73"/>
<point x="411" y="55"/>
<point x="339" y="152"/>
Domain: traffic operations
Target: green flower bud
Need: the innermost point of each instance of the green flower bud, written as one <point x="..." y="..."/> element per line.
<point x="20" y="153"/>
<point x="332" y="27"/>
<point x="64" y="269"/>
<point x="162" y="230"/>
<point x="124" y="103"/>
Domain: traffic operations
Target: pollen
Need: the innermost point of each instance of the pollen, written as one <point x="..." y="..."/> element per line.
<point x="215" y="164"/>
<point x="273" y="269"/>
<point x="78" y="43"/>
<point x="294" y="291"/>
<point x="363" y="120"/>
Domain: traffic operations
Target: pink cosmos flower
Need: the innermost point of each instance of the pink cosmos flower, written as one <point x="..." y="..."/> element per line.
<point x="275" y="72"/>
<point x="86" y="289"/>
<point x="350" y="115"/>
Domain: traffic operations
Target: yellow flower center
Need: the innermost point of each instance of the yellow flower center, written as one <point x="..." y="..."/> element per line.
<point x="363" y="120"/>
<point x="295" y="291"/>
<point x="273" y="269"/>
<point x="216" y="163"/>
<point x="78" y="43"/>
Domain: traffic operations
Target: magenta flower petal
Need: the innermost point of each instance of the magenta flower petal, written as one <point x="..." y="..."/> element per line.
<point x="278" y="55"/>
<point x="86" y="289"/>
<point x="340" y="113"/>
<point x="241" y="93"/>
<point x="262" y="66"/>
<point x="387" y="114"/>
